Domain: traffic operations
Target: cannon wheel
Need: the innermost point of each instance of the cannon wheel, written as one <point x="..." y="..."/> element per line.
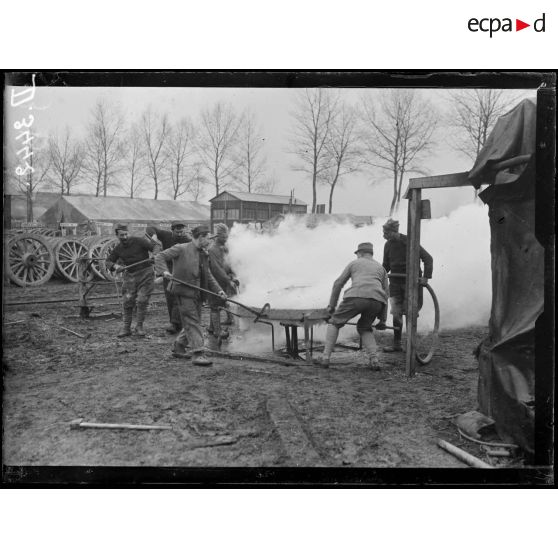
<point x="95" y="244"/>
<point x="29" y="260"/>
<point x="428" y="357"/>
<point x="106" y="249"/>
<point x="67" y="251"/>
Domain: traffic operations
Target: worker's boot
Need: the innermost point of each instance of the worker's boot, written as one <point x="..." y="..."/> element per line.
<point x="369" y="345"/>
<point x="201" y="360"/>
<point x="173" y="328"/>
<point x="397" y="347"/>
<point x="331" y="338"/>
<point x="213" y="343"/>
<point x="179" y="351"/>
<point x="229" y="320"/>
<point x="125" y="330"/>
<point x="142" y="309"/>
<point x="214" y="322"/>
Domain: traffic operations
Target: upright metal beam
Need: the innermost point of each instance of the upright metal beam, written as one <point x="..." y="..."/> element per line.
<point x="413" y="262"/>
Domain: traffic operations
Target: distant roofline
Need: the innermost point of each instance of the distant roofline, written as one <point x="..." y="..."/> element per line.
<point x="237" y="194"/>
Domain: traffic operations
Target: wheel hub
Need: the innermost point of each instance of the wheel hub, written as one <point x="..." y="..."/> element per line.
<point x="29" y="259"/>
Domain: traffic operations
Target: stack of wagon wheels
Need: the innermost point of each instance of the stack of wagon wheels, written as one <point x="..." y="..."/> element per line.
<point x="32" y="259"/>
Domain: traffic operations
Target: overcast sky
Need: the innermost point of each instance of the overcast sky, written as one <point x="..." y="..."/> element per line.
<point x="54" y="108"/>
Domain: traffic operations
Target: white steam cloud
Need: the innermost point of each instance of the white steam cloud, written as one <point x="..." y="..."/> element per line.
<point x="295" y="266"/>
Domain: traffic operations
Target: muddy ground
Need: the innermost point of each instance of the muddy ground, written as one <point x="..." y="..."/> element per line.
<point x="235" y="413"/>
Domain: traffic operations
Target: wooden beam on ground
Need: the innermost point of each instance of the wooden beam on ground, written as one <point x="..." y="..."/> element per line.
<point x="246" y="356"/>
<point x="411" y="286"/>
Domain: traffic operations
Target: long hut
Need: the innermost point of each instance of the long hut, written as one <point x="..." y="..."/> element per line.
<point x="97" y="215"/>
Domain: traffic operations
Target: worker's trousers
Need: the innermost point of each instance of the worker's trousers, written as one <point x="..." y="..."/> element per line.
<point x="192" y="332"/>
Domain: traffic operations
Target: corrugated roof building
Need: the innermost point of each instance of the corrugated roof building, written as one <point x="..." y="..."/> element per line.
<point x="99" y="214"/>
<point x="244" y="207"/>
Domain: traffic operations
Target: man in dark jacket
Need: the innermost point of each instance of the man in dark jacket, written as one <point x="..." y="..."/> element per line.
<point x="189" y="264"/>
<point x="177" y="235"/>
<point x="133" y="253"/>
<point x="221" y="270"/>
<point x="395" y="261"/>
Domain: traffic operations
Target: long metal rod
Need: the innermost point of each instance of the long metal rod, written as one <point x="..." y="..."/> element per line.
<point x="251" y="310"/>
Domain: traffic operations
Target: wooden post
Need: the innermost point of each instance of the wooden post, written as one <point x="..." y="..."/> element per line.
<point x="411" y="288"/>
<point x="308" y="353"/>
<point x="82" y="288"/>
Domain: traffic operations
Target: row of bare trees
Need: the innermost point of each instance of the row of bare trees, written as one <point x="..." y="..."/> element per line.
<point x="224" y="148"/>
<point x="388" y="134"/>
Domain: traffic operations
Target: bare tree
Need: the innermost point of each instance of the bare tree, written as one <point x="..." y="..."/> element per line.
<point x="252" y="163"/>
<point x="155" y="130"/>
<point x="197" y="181"/>
<point x="66" y="157"/>
<point x="103" y="151"/>
<point x="134" y="161"/>
<point x="473" y="115"/>
<point x="218" y="138"/>
<point x="312" y="118"/>
<point x="396" y="134"/>
<point x="341" y="148"/>
<point x="179" y="149"/>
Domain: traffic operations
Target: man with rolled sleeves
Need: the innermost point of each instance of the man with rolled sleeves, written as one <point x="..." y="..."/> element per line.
<point x="366" y="297"/>
<point x="177" y="235"/>
<point x="395" y="261"/>
<point x="133" y="253"/>
<point x="189" y="264"/>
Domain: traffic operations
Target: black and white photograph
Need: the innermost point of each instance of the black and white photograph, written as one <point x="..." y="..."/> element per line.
<point x="293" y="277"/>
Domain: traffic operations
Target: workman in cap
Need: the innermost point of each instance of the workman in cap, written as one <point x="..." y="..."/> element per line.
<point x="178" y="234"/>
<point x="132" y="257"/>
<point x="395" y="262"/>
<point x="190" y="264"/>
<point x="221" y="270"/>
<point x="367" y="297"/>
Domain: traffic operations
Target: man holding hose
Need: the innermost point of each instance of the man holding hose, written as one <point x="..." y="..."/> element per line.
<point x="190" y="265"/>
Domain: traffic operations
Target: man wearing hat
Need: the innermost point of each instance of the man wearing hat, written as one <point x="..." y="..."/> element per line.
<point x="132" y="256"/>
<point x="395" y="261"/>
<point x="367" y="297"/>
<point x="189" y="264"/>
<point x="177" y="235"/>
<point x="221" y="270"/>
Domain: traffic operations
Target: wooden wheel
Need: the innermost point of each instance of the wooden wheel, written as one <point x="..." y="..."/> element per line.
<point x="29" y="260"/>
<point x="95" y="244"/>
<point x="106" y="249"/>
<point x="67" y="252"/>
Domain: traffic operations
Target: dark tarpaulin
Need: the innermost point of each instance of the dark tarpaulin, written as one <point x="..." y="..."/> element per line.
<point x="507" y="356"/>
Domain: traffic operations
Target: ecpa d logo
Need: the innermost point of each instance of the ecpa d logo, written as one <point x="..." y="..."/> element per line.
<point x="493" y="25"/>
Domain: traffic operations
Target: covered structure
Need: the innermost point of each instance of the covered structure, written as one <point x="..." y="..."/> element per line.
<point x="506" y="390"/>
<point x="244" y="207"/>
<point x="97" y="215"/>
